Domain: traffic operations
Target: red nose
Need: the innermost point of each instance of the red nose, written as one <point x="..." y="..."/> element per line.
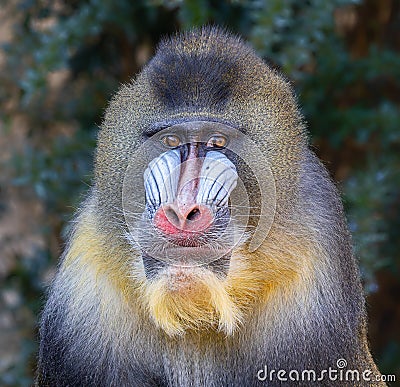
<point x="175" y="221"/>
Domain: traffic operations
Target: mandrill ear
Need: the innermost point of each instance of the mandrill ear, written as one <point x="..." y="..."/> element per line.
<point x="218" y="178"/>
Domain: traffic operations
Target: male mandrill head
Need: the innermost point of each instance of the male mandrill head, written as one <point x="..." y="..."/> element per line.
<point x="213" y="241"/>
<point x="210" y="122"/>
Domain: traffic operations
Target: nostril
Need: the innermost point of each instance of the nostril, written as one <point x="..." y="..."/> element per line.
<point x="172" y="216"/>
<point x="198" y="219"/>
<point x="193" y="215"/>
<point x="167" y="220"/>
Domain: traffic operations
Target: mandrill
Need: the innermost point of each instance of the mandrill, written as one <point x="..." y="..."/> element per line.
<point x="212" y="249"/>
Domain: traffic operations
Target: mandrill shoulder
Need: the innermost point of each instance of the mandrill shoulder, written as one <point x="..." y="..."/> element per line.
<point x="90" y="324"/>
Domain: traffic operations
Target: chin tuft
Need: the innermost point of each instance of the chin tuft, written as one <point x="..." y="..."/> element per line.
<point x="183" y="299"/>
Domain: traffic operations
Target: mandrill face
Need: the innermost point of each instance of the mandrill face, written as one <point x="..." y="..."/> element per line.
<point x="192" y="224"/>
<point x="187" y="221"/>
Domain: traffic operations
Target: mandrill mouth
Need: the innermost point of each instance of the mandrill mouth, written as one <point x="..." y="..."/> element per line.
<point x="187" y="258"/>
<point x="191" y="246"/>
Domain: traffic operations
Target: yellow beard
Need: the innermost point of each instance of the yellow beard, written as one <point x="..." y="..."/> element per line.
<point x="181" y="299"/>
<point x="191" y="298"/>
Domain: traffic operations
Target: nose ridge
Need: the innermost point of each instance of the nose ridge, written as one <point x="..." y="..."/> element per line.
<point x="173" y="219"/>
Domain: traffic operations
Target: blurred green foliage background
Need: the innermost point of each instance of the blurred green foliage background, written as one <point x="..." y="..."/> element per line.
<point x="60" y="63"/>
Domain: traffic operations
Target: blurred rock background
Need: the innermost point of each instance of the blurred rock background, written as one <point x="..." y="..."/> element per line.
<point x="61" y="61"/>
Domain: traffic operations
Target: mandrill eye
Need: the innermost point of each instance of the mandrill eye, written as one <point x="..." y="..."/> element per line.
<point x="171" y="141"/>
<point x="217" y="141"/>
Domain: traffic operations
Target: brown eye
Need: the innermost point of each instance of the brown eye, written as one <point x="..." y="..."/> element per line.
<point x="217" y="141"/>
<point x="171" y="141"/>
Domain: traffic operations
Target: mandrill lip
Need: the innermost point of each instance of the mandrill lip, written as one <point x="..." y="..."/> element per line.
<point x="186" y="257"/>
<point x="190" y="256"/>
<point x="187" y="241"/>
